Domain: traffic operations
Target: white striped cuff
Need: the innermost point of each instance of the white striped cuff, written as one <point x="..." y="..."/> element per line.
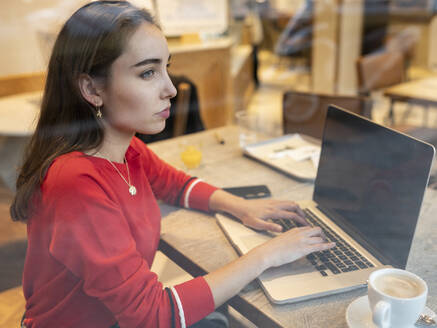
<point x="187" y="194"/>
<point x="180" y="308"/>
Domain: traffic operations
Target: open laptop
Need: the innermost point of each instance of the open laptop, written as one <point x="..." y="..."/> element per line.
<point x="367" y="195"/>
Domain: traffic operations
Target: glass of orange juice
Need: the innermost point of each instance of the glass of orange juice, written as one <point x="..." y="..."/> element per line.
<point x="191" y="156"/>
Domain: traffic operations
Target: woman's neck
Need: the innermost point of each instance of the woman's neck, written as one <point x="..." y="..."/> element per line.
<point x="114" y="146"/>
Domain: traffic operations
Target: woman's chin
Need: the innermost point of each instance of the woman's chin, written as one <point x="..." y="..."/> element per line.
<point x="153" y="129"/>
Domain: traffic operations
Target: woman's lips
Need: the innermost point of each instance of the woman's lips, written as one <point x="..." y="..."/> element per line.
<point x="164" y="113"/>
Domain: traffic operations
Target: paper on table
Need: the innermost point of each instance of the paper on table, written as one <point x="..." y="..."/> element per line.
<point x="294" y="147"/>
<point x="315" y="157"/>
<point x="290" y="153"/>
<point x="298" y="154"/>
<point x="281" y="150"/>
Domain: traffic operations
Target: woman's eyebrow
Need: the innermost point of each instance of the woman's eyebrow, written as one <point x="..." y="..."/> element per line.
<point x="150" y="61"/>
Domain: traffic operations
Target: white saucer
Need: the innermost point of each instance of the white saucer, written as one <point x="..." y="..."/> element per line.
<point x="358" y="314"/>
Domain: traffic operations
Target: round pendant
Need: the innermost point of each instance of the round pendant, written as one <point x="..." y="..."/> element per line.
<point x="132" y="190"/>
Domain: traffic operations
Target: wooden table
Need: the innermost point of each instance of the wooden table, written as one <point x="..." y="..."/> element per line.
<point x="195" y="241"/>
<point x="18" y="116"/>
<point x="419" y="92"/>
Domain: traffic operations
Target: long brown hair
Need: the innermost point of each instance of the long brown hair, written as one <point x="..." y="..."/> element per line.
<point x="88" y="43"/>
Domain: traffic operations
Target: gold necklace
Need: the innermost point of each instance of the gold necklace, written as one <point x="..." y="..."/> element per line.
<point x="132" y="189"/>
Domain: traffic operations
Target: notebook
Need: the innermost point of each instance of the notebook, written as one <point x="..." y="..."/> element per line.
<point x="367" y="195"/>
<point x="291" y="154"/>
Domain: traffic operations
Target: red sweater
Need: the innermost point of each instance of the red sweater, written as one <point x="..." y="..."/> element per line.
<point x="91" y="244"/>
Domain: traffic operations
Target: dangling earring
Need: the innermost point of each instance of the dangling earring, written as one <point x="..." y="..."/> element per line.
<point x="99" y="112"/>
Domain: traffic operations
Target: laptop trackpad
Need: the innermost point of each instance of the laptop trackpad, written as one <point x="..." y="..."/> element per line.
<point x="298" y="267"/>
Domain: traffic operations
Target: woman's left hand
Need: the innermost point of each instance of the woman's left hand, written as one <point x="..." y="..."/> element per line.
<point x="255" y="213"/>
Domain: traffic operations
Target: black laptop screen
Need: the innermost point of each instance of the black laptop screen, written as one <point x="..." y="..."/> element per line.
<point x="372" y="179"/>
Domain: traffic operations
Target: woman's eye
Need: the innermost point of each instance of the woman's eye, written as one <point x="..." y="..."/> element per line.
<point x="147" y="74"/>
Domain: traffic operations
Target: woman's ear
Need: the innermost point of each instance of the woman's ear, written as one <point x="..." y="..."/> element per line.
<point x="88" y="89"/>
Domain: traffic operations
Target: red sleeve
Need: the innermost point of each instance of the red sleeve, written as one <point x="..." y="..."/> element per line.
<point x="172" y="185"/>
<point x="92" y="239"/>
<point x="193" y="294"/>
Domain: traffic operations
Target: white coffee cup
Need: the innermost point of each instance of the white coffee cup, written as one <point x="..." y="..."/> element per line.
<point x="396" y="297"/>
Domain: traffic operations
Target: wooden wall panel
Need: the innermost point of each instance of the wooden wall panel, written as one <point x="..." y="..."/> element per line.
<point x="350" y="36"/>
<point x="325" y="46"/>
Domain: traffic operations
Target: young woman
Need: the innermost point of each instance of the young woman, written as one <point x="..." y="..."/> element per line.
<point x="88" y="187"/>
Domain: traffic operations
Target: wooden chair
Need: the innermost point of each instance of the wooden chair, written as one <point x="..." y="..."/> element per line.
<point x="182" y="108"/>
<point x="381" y="70"/>
<point x="378" y="71"/>
<point x="305" y="113"/>
<point x="404" y="42"/>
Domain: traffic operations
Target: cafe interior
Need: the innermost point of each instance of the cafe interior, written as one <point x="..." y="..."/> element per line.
<point x="248" y="73"/>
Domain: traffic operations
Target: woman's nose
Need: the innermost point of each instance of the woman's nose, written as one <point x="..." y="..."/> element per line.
<point x="169" y="89"/>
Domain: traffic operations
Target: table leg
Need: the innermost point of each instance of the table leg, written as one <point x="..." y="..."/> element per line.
<point x="391" y="115"/>
<point x="425" y="115"/>
<point x="406" y="113"/>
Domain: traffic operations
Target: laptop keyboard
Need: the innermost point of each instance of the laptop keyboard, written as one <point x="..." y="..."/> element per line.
<point x="342" y="258"/>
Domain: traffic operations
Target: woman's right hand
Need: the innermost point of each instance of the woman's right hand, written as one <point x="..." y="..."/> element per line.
<point x="292" y="245"/>
<point x="287" y="247"/>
